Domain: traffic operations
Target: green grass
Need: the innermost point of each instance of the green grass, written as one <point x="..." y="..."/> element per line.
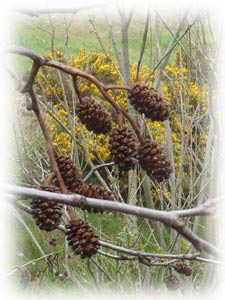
<point x="28" y="34"/>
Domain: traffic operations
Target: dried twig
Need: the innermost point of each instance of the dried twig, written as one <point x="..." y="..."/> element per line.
<point x="96" y="168"/>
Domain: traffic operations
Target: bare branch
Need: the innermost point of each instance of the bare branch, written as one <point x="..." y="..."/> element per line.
<point x="144" y="39"/>
<point x="33" y="261"/>
<point x="135" y="254"/>
<point x="183" y="48"/>
<point x="163" y="61"/>
<point x="115" y="44"/>
<point x="98" y="167"/>
<point x="92" y="22"/>
<point x="169" y="218"/>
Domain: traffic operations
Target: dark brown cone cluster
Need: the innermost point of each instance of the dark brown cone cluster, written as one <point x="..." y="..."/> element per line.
<point x="82" y="238"/>
<point x="154" y="161"/>
<point x="71" y="175"/>
<point x="172" y="282"/>
<point x="149" y="102"/>
<point x="93" y="191"/>
<point x="47" y="213"/>
<point x="94" y="115"/>
<point x="123" y="148"/>
<point x="183" y="268"/>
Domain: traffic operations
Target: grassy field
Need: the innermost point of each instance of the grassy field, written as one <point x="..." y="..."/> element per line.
<point x="35" y="34"/>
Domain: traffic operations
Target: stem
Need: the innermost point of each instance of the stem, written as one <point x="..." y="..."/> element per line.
<point x="77" y="89"/>
<point x="53" y="161"/>
<point x="48" y="181"/>
<point x="117" y="87"/>
<point x="120" y="120"/>
<point x="34" y="106"/>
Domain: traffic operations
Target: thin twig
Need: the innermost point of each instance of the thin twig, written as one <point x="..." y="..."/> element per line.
<point x="91" y="20"/>
<point x="144" y="39"/>
<point x="96" y="168"/>
<point x="163" y="61"/>
<point x="31" y="262"/>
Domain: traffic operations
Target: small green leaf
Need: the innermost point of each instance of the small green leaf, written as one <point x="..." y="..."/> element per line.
<point x="185" y="246"/>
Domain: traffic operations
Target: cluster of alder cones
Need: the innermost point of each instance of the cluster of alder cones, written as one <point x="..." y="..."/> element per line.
<point x="124" y="149"/>
<point x="125" y="153"/>
<point x="172" y="281"/>
<point x="80" y="234"/>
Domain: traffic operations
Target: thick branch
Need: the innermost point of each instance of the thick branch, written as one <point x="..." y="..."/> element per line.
<point x="169" y="218"/>
<point x="134" y="254"/>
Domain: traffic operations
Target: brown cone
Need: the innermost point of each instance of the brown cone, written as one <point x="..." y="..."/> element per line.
<point x="94" y="115"/>
<point x="149" y="102"/>
<point x="82" y="238"/>
<point x="93" y="191"/>
<point x="183" y="268"/>
<point x="71" y="175"/>
<point x="47" y="213"/>
<point x="154" y="161"/>
<point x="172" y="282"/>
<point x="123" y="148"/>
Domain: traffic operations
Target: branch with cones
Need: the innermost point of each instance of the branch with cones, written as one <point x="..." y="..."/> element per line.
<point x="206" y="209"/>
<point x="128" y="148"/>
<point x="169" y="218"/>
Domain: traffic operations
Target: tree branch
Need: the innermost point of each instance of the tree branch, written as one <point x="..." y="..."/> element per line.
<point x="96" y="168"/>
<point x="76" y="72"/>
<point x="169" y="218"/>
<point x="135" y="254"/>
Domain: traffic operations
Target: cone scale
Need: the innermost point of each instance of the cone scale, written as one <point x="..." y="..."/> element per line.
<point x="123" y="148"/>
<point x="94" y="115"/>
<point x="82" y="238"/>
<point x="46" y="213"/>
<point x="153" y="159"/>
<point x="93" y="191"/>
<point x="71" y="175"/>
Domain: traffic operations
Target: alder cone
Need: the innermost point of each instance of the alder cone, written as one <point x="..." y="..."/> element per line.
<point x="93" y="191"/>
<point x="82" y="238"/>
<point x="183" y="268"/>
<point x="123" y="148"/>
<point x="71" y="175"/>
<point x="172" y="282"/>
<point x="47" y="213"/>
<point x="148" y="101"/>
<point x="94" y="115"/>
<point x="154" y="161"/>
